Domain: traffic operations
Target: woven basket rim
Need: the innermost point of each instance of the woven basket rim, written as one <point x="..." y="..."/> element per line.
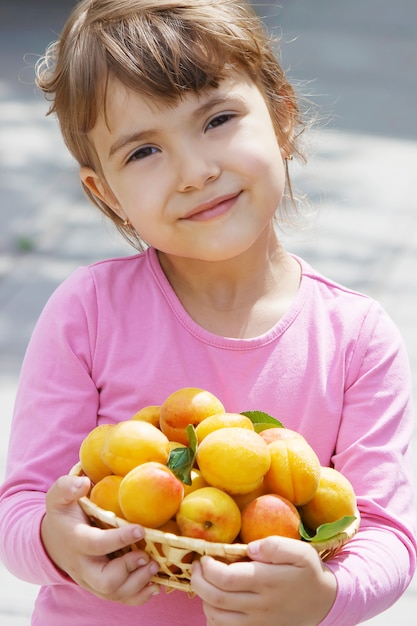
<point x="201" y="546"/>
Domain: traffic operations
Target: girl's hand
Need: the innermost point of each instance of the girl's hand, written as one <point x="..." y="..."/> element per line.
<point x="80" y="550"/>
<point x="285" y="583"/>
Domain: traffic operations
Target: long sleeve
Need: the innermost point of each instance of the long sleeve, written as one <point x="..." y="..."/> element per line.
<point x="65" y="390"/>
<point x="55" y="406"/>
<point x="115" y="338"/>
<point x="373" y="450"/>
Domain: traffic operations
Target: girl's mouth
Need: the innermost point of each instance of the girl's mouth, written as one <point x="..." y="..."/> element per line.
<point x="213" y="208"/>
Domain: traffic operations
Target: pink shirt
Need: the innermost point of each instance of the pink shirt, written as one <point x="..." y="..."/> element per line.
<point x="114" y="338"/>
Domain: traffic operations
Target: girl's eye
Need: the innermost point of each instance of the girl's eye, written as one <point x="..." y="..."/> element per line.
<point x="219" y="120"/>
<point x="142" y="153"/>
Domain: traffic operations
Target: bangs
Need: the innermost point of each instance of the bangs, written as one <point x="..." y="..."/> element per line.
<point x="160" y="53"/>
<point x="164" y="57"/>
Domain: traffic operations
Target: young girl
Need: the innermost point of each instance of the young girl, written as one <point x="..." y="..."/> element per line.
<point x="183" y="122"/>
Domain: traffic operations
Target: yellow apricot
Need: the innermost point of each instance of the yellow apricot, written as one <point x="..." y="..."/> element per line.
<point x="242" y="499"/>
<point x="272" y="434"/>
<point x="197" y="482"/>
<point x="173" y="445"/>
<point x="131" y="443"/>
<point x="294" y="473"/>
<point x="222" y="420"/>
<point x="234" y="459"/>
<point x="210" y="514"/>
<point x="334" y="498"/>
<point x="90" y="453"/>
<point x="149" y="414"/>
<point x="105" y="494"/>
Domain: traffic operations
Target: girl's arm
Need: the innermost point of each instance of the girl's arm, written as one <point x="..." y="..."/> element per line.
<point x="44" y="537"/>
<point x="373" y="570"/>
<point x="374" y="451"/>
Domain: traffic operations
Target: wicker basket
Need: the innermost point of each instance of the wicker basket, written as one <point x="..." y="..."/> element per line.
<point x="175" y="553"/>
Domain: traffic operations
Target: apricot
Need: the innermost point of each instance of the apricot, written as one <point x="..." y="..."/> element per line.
<point x="269" y="515"/>
<point x="90" y="453"/>
<point x="148" y="414"/>
<point x="131" y="443"/>
<point x="242" y="499"/>
<point x="189" y="405"/>
<point x="105" y="494"/>
<point x="272" y="434"/>
<point x="295" y="470"/>
<point x="334" y="498"/>
<point x="173" y="445"/>
<point x="211" y="514"/>
<point x="170" y="526"/>
<point x="197" y="482"/>
<point x="234" y="459"/>
<point x="150" y="494"/>
<point x="222" y="420"/>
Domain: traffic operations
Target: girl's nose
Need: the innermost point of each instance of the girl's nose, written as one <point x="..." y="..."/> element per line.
<point x="196" y="170"/>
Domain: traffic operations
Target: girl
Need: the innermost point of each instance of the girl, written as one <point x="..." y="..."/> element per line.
<point x="183" y="122"/>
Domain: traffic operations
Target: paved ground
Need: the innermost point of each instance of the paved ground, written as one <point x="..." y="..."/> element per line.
<point x="362" y="58"/>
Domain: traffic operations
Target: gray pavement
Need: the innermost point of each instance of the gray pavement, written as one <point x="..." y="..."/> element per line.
<point x="361" y="57"/>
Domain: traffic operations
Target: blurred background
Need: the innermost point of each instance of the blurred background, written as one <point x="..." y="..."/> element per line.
<point x="356" y="60"/>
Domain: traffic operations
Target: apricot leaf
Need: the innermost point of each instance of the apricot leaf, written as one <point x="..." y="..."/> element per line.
<point x="327" y="531"/>
<point x="181" y="460"/>
<point x="262" y="420"/>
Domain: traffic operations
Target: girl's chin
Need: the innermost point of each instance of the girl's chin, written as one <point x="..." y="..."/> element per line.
<point x="221" y="246"/>
<point x="216" y="255"/>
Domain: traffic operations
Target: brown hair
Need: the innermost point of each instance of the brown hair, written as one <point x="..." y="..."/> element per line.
<point x="163" y="49"/>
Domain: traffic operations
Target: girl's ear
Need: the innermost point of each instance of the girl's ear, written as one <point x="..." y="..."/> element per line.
<point x="99" y="189"/>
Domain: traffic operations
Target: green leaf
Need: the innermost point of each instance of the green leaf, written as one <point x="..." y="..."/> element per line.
<point x="327" y="531"/>
<point x="181" y="460"/>
<point x="192" y="439"/>
<point x="262" y="420"/>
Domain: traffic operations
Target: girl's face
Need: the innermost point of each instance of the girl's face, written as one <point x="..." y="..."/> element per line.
<point x="201" y="179"/>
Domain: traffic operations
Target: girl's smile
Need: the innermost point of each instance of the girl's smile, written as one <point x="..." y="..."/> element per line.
<point x="200" y="179"/>
<point x="212" y="208"/>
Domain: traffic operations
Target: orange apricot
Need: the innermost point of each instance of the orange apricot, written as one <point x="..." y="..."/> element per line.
<point x="150" y="495"/>
<point x="189" y="405"/>
<point x="105" y="494"/>
<point x="269" y="515"/>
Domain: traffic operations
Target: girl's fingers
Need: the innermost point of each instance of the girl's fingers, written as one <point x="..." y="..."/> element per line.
<point x="66" y="491"/>
<point x="235" y="577"/>
<point x="63" y="497"/>
<point x="98" y="542"/>
<point x="281" y="551"/>
<point x="220" y="602"/>
<point x="126" y="578"/>
<point x="84" y="556"/>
